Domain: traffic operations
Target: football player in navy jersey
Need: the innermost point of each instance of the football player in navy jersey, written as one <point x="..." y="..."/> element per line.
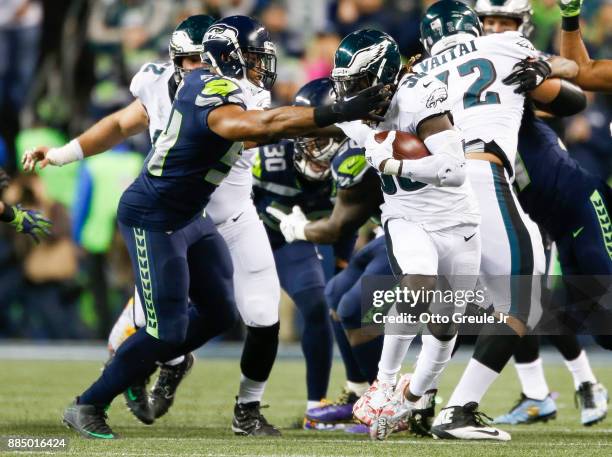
<point x="563" y="199"/>
<point x="169" y="238"/>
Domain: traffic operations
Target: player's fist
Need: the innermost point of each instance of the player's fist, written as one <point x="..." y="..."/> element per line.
<point x="376" y="153"/>
<point x="291" y="225"/>
<point x="452" y="174"/>
<point x="34" y="156"/>
<point x="570" y="8"/>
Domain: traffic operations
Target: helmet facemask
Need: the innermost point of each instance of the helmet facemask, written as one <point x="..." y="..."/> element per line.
<point x="312" y="157"/>
<point x="260" y="67"/>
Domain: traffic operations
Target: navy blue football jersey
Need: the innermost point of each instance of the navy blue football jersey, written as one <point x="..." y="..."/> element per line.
<point x="188" y="160"/>
<point x="549" y="182"/>
<point x="277" y="183"/>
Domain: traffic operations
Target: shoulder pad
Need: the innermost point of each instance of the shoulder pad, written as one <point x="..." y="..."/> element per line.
<point x="217" y="91"/>
<point x="349" y="165"/>
<point x="149" y="73"/>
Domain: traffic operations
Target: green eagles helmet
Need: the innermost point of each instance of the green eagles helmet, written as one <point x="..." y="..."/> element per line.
<point x="186" y="40"/>
<point x="365" y="58"/>
<point x="447" y="18"/>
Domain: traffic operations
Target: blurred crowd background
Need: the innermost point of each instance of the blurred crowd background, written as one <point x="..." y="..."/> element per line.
<point x="65" y="64"/>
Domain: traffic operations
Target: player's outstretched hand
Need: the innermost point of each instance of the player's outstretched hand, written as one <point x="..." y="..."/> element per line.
<point x="292" y="224"/>
<point x="34" y="156"/>
<point x="376" y="153"/>
<point x="528" y="74"/>
<point x="365" y="104"/>
<point x="30" y="222"/>
<point x="570" y="8"/>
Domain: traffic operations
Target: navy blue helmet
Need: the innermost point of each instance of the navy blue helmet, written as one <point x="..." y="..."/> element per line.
<point x="240" y="47"/>
<point x="312" y="156"/>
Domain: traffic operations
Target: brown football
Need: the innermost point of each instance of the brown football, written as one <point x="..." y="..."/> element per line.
<point x="406" y="146"/>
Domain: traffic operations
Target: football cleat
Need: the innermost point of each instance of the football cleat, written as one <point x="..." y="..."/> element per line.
<point x="527" y="411"/>
<point x="248" y="421"/>
<point x="137" y="401"/>
<point x="465" y="423"/>
<point x="340" y="411"/>
<point x="368" y="407"/>
<point x="419" y="422"/>
<point x="393" y="416"/>
<point x="593" y="401"/>
<point x="88" y="420"/>
<point x="170" y="376"/>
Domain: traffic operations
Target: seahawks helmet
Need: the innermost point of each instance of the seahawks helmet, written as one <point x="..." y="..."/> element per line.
<point x="186" y="40"/>
<point x="312" y="156"/>
<point x="240" y="47"/>
<point x="444" y="22"/>
<point x="515" y="9"/>
<point x="363" y="59"/>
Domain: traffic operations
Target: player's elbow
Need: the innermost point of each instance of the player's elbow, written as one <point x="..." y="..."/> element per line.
<point x="569" y="100"/>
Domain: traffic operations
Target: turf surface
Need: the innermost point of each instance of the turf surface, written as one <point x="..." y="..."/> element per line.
<point x="34" y="393"/>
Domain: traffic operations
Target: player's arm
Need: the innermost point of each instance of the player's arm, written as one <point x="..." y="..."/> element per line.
<point x="234" y="123"/>
<point x="444" y="167"/>
<point x="102" y="136"/>
<point x="595" y="75"/>
<point x="352" y="209"/>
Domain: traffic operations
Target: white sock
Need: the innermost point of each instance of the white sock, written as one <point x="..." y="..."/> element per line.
<point x="358" y="388"/>
<point x="250" y="390"/>
<point x="581" y="369"/>
<point x="176" y="361"/>
<point x="474" y="383"/>
<point x="433" y="358"/>
<point x="310" y="404"/>
<point x="394" y="351"/>
<point x="533" y="381"/>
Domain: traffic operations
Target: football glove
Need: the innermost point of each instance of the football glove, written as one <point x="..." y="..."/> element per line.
<point x="570" y="8"/>
<point x="376" y="153"/>
<point x="30" y="222"/>
<point x="292" y="224"/>
<point x="528" y="74"/>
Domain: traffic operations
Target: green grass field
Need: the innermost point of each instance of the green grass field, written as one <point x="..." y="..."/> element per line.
<point x="34" y="393"/>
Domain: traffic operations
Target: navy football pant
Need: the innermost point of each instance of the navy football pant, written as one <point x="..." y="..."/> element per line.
<point x="169" y="268"/>
<point x="301" y="275"/>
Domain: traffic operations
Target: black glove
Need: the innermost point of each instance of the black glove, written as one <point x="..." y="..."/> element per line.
<point x="362" y="105"/>
<point x="528" y="74"/>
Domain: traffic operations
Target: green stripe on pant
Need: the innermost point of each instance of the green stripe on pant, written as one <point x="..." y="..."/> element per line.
<point x="146" y="281"/>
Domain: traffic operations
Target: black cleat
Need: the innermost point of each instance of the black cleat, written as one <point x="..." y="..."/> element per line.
<point x="465" y="423"/>
<point x="248" y="421"/>
<point x="88" y="420"/>
<point x="137" y="401"/>
<point x="170" y="376"/>
<point x="421" y="418"/>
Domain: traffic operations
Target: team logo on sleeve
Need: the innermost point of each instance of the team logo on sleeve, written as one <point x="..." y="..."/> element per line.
<point x="525" y="43"/>
<point x="438" y="95"/>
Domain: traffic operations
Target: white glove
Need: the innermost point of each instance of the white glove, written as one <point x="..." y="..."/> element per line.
<point x="376" y="153"/>
<point x="292" y="224"/>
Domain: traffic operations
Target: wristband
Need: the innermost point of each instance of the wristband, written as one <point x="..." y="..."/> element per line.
<point x="393" y="167"/>
<point x="68" y="153"/>
<point x="300" y="231"/>
<point x="570" y="24"/>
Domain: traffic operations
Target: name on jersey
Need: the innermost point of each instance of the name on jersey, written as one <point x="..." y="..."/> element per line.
<point x="453" y="53"/>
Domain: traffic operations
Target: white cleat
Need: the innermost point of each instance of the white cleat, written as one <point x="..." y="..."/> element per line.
<point x="593" y="400"/>
<point x="465" y="423"/>
<point x="368" y="407"/>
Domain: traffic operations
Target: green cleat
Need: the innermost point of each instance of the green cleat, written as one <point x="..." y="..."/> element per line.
<point x="88" y="420"/>
<point x="570" y="8"/>
<point x="137" y="401"/>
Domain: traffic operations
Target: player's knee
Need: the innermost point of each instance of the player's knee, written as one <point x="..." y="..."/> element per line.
<point x="442" y="331"/>
<point x="312" y="306"/>
<point x="416" y="283"/>
<point x="261" y="315"/>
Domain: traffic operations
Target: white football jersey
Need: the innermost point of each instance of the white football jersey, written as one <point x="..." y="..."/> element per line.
<point x="150" y="86"/>
<point x="485" y="109"/>
<point x="417" y="98"/>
